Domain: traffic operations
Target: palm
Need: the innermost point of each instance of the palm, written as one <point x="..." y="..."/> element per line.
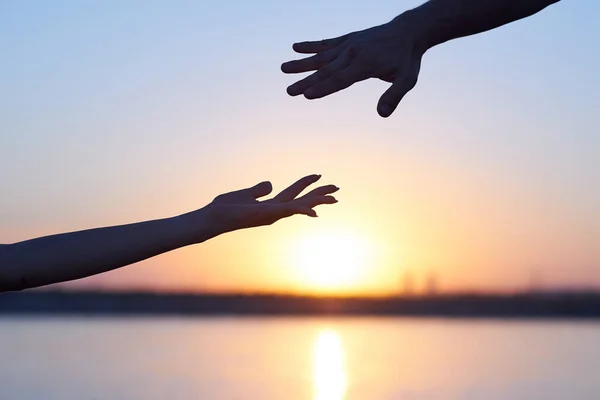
<point x="242" y="209"/>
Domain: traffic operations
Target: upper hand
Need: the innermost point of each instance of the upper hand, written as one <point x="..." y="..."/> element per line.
<point x="242" y="209"/>
<point x="388" y="52"/>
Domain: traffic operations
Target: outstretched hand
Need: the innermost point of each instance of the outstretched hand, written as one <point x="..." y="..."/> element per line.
<point x="388" y="52"/>
<point x="75" y="255"/>
<point x="242" y="209"/>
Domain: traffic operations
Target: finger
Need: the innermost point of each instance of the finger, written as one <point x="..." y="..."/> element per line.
<point x="254" y="192"/>
<point x="260" y="190"/>
<point x="336" y="82"/>
<point x="295" y="189"/>
<point x="392" y="97"/>
<point x="305" y="206"/>
<point x="321" y="191"/>
<point x="316" y="201"/>
<point x="293" y="209"/>
<point x="275" y="212"/>
<point x="320" y="76"/>
<point x="310" y="63"/>
<point x="319" y="45"/>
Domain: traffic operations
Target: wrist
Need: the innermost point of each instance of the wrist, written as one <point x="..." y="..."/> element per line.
<point x="416" y="24"/>
<point x="193" y="227"/>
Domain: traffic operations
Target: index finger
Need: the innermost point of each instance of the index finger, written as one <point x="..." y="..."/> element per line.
<point x="321" y="191"/>
<point x="317" y="46"/>
<point x="295" y="189"/>
<point x="310" y="63"/>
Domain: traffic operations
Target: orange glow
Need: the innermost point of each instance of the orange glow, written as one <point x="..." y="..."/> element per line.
<point x="414" y="212"/>
<point x="331" y="261"/>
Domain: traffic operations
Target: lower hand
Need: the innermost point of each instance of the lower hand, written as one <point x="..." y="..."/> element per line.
<point x="242" y="209"/>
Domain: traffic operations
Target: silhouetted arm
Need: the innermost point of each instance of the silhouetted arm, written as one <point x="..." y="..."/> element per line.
<point x="75" y="255"/>
<point x="393" y="51"/>
<point x="68" y="256"/>
<point x="442" y="20"/>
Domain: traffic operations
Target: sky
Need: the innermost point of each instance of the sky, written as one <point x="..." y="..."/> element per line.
<point x="487" y="176"/>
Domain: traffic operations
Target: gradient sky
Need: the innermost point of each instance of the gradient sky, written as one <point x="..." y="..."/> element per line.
<point x="488" y="174"/>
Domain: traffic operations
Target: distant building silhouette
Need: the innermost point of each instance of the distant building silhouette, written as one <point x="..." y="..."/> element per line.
<point x="536" y="282"/>
<point x="431" y="286"/>
<point x="408" y="285"/>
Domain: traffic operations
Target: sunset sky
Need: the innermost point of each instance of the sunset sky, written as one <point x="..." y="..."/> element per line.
<point x="487" y="176"/>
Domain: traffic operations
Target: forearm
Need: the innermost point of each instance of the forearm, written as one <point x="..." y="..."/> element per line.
<point x="75" y="255"/>
<point x="442" y="20"/>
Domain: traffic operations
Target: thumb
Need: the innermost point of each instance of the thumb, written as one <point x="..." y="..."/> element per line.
<point x="392" y="97"/>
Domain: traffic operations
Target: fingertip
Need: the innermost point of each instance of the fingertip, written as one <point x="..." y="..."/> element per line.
<point x="288" y="67"/>
<point x="312" y="178"/>
<point x="298" y="46"/>
<point x="308" y="211"/>
<point x="384" y="110"/>
<point x="392" y="97"/>
<point x="292" y="90"/>
<point x="310" y="94"/>
<point x="262" y="189"/>
<point x="329" y="189"/>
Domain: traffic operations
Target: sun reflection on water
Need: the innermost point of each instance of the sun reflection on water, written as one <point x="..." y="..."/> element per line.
<point x="329" y="369"/>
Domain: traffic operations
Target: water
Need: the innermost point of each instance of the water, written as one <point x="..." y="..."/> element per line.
<point x="297" y="358"/>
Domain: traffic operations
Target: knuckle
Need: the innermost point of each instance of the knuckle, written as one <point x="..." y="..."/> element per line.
<point x="319" y="58"/>
<point x="352" y="50"/>
<point x="323" y="73"/>
<point x="219" y="198"/>
<point x="338" y="80"/>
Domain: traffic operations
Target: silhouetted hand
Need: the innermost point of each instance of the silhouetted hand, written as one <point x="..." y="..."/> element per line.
<point x="388" y="52"/>
<point x="241" y="209"/>
<point x="75" y="255"/>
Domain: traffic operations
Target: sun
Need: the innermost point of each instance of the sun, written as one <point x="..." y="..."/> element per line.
<point x="331" y="261"/>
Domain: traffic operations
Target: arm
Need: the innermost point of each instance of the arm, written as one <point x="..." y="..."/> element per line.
<point x="444" y="20"/>
<point x="76" y="255"/>
<point x="393" y="51"/>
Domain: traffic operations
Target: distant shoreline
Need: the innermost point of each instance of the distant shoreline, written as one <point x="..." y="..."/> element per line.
<point x="88" y="303"/>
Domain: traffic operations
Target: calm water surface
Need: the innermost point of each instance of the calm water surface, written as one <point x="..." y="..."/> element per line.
<point x="297" y="358"/>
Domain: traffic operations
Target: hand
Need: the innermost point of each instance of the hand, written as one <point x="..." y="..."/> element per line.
<point x="388" y="52"/>
<point x="241" y="209"/>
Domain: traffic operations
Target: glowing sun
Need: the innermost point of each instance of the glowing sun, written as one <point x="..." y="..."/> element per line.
<point x="331" y="261"/>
